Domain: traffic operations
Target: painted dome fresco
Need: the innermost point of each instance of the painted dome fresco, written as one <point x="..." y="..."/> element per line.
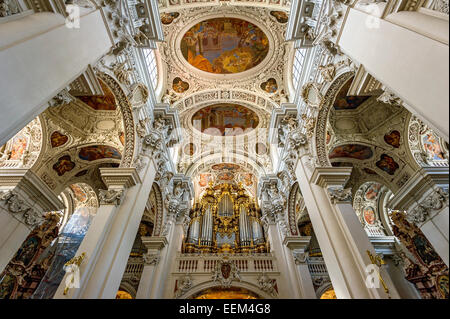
<point x="224" y="45"/>
<point x="225" y="120"/>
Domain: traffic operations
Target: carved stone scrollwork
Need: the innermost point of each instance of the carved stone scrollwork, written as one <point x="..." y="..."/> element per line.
<point x="287" y="124"/>
<point x="389" y="97"/>
<point x="267" y="285"/>
<point x="63" y="97"/>
<point x="151" y="259"/>
<point x="8" y="7"/>
<point x="152" y="142"/>
<point x="186" y="283"/>
<point x="328" y="71"/>
<point x="225" y="272"/>
<point x="297" y="139"/>
<point x="12" y="203"/>
<point x="110" y="197"/>
<point x="340" y="195"/>
<point x="300" y="257"/>
<point x="436" y="201"/>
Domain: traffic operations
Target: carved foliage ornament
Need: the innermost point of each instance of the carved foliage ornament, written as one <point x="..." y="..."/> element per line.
<point x="435" y="201"/>
<point x="110" y="197"/>
<point x="340" y="195"/>
<point x="151" y="258"/>
<point x="268" y="285"/>
<point x="12" y="202"/>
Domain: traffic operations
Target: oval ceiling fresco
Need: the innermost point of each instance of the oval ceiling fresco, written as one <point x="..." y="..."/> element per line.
<point x="224" y="45"/>
<point x="225" y="120"/>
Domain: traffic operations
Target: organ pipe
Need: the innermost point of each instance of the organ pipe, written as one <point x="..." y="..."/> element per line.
<point x="225" y="220"/>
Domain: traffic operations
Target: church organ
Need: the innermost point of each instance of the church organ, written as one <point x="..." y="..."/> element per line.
<point x="225" y="220"/>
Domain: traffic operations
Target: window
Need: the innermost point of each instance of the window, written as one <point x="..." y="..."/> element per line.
<point x="150" y="61"/>
<point x="299" y="58"/>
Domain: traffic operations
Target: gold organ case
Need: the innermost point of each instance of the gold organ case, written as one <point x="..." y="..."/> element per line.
<point x="225" y="220"/>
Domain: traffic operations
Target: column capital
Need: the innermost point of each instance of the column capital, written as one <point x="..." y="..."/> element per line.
<point x="423" y="195"/>
<point x="119" y="178"/>
<point x="26" y="197"/>
<point x="297" y="242"/>
<point x="331" y="176"/>
<point x="154" y="246"/>
<point x="384" y="244"/>
<point x="154" y="243"/>
<point x="28" y="183"/>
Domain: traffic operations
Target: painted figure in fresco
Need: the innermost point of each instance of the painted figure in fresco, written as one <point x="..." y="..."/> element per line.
<point x="167" y="18"/>
<point x="393" y="139"/>
<point x="179" y="85"/>
<point x="78" y="192"/>
<point x="225" y="120"/>
<point x="63" y="165"/>
<point x="105" y="102"/>
<point x="373" y="191"/>
<point x="432" y="146"/>
<point x="18" y="148"/>
<point x="204" y="178"/>
<point x="28" y="250"/>
<point x="344" y="102"/>
<point x="355" y="151"/>
<point x="281" y="16"/>
<point x="7" y="286"/>
<point x="227" y="166"/>
<point x="387" y="164"/>
<point x="442" y="284"/>
<point x="369" y="215"/>
<point x="270" y="86"/>
<point x="96" y="152"/>
<point x="57" y="139"/>
<point x="225" y="176"/>
<point x="424" y="249"/>
<point x="224" y="45"/>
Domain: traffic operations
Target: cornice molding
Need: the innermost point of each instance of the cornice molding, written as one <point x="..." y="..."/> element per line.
<point x="26" y="182"/>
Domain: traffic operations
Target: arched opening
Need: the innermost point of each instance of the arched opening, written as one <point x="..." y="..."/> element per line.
<point x="225" y="293"/>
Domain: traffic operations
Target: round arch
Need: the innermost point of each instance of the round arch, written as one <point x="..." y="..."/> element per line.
<point x="211" y="284"/>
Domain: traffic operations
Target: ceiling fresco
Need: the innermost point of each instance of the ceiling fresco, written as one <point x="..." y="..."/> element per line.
<point x="106" y="102"/>
<point x="224" y="45"/>
<point x="225" y="120"/>
<point x="345" y="102"/>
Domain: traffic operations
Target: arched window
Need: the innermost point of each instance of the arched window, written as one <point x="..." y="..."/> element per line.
<point x="297" y="67"/>
<point x="150" y="61"/>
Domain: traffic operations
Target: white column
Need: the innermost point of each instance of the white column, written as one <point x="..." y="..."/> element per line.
<point x="342" y="240"/>
<point x="40" y="57"/>
<point x="160" y="288"/>
<point x="425" y="201"/>
<point x="154" y="246"/>
<point x="298" y="247"/>
<point x="24" y="198"/>
<point x="436" y="231"/>
<point x="108" y="246"/>
<point x="414" y="66"/>
<point x="287" y="288"/>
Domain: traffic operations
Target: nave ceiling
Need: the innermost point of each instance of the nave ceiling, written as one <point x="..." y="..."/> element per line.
<point x="200" y="41"/>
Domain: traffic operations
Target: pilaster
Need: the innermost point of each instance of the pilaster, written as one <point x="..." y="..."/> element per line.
<point x="24" y="199"/>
